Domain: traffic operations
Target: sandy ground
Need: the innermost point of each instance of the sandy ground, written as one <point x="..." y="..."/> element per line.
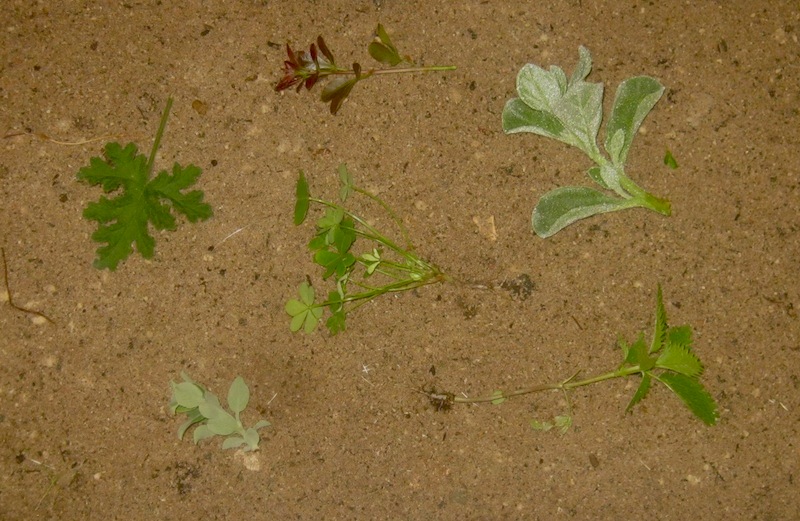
<point x="85" y="431"/>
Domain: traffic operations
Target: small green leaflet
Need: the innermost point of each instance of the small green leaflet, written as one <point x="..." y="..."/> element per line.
<point x="124" y="219"/>
<point x="669" y="160"/>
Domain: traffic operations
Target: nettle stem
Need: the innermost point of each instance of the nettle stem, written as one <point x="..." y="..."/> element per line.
<point x="566" y="385"/>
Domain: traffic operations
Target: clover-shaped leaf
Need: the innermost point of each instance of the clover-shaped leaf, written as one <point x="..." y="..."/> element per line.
<point x="305" y="315"/>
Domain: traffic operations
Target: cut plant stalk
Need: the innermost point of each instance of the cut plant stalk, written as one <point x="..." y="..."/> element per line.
<point x="384" y="266"/>
<point x="307" y="68"/>
<point x="669" y="360"/>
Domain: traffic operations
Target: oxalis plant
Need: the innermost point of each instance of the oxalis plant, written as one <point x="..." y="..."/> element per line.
<point x="571" y="110"/>
<point x="668" y="360"/>
<point x="361" y="261"/>
<point x="202" y="407"/>
<point x="307" y="68"/>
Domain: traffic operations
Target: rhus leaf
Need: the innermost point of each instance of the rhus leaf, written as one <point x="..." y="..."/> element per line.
<point x="124" y="219"/>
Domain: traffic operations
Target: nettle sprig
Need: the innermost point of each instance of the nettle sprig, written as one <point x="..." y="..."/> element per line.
<point x="306" y="68"/>
<point x="571" y="110"/>
<point x="668" y="359"/>
<point x="382" y="266"/>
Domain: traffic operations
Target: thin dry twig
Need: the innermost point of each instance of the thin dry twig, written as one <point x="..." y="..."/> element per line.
<point x="11" y="299"/>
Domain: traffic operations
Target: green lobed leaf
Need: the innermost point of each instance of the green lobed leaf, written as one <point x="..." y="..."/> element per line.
<point x="238" y="395"/>
<point x="336" y="323"/>
<point x="123" y="221"/>
<point x="301" y="199"/>
<point x="634" y="99"/>
<point x="563" y="206"/>
<point x="693" y="394"/>
<point x="641" y="391"/>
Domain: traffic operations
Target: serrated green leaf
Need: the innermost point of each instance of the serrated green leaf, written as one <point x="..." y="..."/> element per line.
<point x="660" y="325"/>
<point x="563" y="206"/>
<point x="519" y="117"/>
<point x="641" y="392"/>
<point x="301" y="199"/>
<point x="693" y="394"/>
<point x="680" y="359"/>
<point x="238" y="395"/>
<point x="634" y="99"/>
<point x="680" y="335"/>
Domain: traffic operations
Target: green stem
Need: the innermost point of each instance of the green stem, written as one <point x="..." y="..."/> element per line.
<point x="566" y="385"/>
<point x="161" y="127"/>
<point x="402" y="70"/>
<point x="391" y="213"/>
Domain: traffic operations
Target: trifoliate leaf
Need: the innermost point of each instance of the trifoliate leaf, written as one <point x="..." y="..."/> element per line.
<point x="303" y="312"/>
